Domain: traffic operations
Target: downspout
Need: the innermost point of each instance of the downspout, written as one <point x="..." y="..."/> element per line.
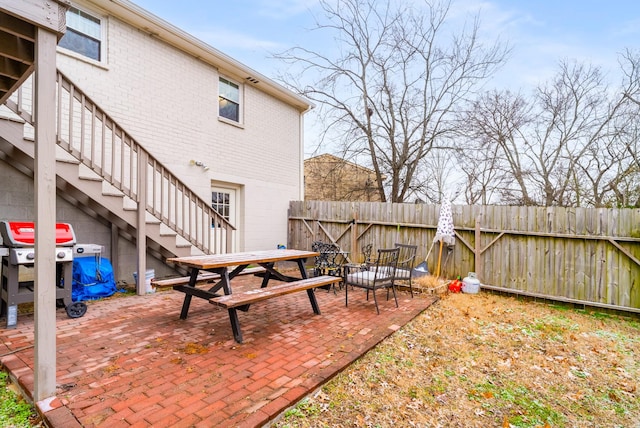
<point x="301" y="163"/>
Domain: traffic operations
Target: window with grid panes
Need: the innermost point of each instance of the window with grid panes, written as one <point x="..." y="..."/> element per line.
<point x="229" y="100"/>
<point x="83" y="34"/>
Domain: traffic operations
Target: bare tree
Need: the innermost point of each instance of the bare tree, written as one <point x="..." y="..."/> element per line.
<point x="567" y="146"/>
<point x="484" y="173"/>
<point x="573" y="115"/>
<point x="606" y="171"/>
<point x="496" y="122"/>
<point x="630" y="65"/>
<point x="391" y="86"/>
<point x="435" y="175"/>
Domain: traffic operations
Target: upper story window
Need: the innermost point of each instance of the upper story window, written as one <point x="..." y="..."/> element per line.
<point x="229" y="99"/>
<point x="83" y="35"/>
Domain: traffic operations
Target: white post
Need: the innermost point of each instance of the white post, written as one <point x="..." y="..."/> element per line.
<point x="141" y="237"/>
<point x="45" y="207"/>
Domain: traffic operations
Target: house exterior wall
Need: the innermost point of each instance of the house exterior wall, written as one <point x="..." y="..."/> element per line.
<point x="168" y="101"/>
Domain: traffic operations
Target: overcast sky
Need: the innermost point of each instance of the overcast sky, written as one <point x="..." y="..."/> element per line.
<point x="541" y="32"/>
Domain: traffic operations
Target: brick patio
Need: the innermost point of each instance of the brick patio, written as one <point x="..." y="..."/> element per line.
<point x="131" y="362"/>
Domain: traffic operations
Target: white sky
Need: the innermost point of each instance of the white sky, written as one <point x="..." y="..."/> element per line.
<point x="541" y="32"/>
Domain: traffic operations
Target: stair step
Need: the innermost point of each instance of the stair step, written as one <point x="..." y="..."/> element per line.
<point x="86" y="173"/>
<point x="109" y="189"/>
<point x="6" y="114"/>
<point x="68" y="161"/>
<point x="98" y="179"/>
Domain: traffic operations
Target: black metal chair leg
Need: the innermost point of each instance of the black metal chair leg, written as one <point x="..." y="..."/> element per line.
<point x="375" y="299"/>
<point x="346" y="296"/>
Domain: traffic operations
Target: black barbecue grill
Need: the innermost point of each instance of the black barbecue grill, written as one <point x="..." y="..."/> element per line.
<point x="18" y="238"/>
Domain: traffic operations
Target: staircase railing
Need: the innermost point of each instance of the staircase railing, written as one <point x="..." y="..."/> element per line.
<point x="91" y="136"/>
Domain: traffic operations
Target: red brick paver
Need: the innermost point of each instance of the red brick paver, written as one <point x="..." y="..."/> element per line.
<point x="132" y="362"/>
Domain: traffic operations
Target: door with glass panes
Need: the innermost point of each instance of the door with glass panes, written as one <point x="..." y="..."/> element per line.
<point x="224" y="201"/>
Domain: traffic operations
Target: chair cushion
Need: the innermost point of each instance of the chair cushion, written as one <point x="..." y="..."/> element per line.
<point x="371" y="278"/>
<point x="365" y="278"/>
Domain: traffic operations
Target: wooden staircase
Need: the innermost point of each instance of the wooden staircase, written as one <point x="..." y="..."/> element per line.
<point x="104" y="171"/>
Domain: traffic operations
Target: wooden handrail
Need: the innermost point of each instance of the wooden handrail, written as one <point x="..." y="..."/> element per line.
<point x="90" y="135"/>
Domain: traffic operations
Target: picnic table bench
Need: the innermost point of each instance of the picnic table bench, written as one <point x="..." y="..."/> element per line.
<point x="241" y="300"/>
<point x="202" y="278"/>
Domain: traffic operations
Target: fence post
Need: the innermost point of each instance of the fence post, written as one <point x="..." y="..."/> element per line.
<point x="355" y="253"/>
<point x="478" y="250"/>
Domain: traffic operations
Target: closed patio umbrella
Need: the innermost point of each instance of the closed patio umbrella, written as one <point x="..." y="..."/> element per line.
<point x="444" y="232"/>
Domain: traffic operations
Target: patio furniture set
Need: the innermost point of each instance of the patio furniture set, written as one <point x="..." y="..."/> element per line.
<point x="332" y="269"/>
<point x="390" y="265"/>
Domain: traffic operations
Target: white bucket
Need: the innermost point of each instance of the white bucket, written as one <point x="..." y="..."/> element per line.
<point x="149" y="275"/>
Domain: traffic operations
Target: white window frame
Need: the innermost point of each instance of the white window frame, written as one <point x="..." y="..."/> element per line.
<point x="102" y="37"/>
<point x="240" y="100"/>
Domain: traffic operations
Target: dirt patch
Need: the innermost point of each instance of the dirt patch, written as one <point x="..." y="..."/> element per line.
<point x="485" y="360"/>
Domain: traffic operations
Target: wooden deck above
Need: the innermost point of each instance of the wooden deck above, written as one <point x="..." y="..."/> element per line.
<point x="19" y="21"/>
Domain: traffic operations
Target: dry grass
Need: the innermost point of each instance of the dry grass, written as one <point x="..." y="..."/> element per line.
<point x="430" y="284"/>
<point x="483" y="360"/>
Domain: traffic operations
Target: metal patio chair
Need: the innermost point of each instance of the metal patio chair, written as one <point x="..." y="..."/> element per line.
<point x="406" y="260"/>
<point x="380" y="275"/>
<point x="366" y="253"/>
<point x="329" y="261"/>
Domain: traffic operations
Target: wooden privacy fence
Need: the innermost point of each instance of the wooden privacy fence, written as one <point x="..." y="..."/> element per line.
<point x="583" y="255"/>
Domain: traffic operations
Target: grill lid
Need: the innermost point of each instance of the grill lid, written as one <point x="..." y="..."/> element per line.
<point x="22" y="234"/>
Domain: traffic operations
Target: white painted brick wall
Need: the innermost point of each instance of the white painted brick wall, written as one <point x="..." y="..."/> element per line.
<point x="168" y="102"/>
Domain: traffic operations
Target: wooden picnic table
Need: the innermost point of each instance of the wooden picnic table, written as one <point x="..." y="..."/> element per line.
<point x="221" y="263"/>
